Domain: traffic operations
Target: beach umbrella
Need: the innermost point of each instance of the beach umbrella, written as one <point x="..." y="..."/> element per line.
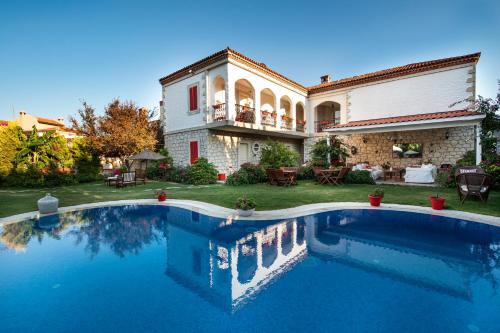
<point x="147" y="155"/>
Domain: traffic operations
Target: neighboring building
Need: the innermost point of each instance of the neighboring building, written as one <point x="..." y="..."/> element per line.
<point x="27" y="121"/>
<point x="224" y="107"/>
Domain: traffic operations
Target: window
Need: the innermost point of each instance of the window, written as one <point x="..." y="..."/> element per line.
<point x="193" y="152"/>
<point x="193" y="98"/>
<point x="337" y="117"/>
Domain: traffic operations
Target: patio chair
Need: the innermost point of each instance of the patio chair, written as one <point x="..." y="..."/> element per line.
<point x="271" y="179"/>
<point x="140" y="175"/>
<point x="340" y="178"/>
<point x="126" y="178"/>
<point x="283" y="179"/>
<point x="320" y="177"/>
<point x="473" y="184"/>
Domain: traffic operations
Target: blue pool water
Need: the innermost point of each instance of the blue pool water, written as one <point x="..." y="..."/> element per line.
<point x="166" y="269"/>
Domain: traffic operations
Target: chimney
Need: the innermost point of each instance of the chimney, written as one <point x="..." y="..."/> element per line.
<point x="326" y="78"/>
<point x="61" y="120"/>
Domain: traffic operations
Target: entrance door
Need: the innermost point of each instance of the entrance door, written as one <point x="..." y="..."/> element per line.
<point x="242" y="154"/>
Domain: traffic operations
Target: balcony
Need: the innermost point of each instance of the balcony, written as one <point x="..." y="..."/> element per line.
<point x="219" y="112"/>
<point x="268" y="118"/>
<point x="300" y="125"/>
<point x="286" y="123"/>
<point x="322" y="124"/>
<point x="245" y="114"/>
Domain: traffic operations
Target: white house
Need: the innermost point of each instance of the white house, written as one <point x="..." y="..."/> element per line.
<point x="225" y="106"/>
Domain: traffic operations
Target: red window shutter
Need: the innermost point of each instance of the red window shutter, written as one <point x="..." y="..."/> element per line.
<point x="193" y="151"/>
<point x="193" y="98"/>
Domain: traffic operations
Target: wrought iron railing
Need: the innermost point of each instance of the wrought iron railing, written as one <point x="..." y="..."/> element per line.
<point x="286" y="123"/>
<point x="267" y="118"/>
<point x="245" y="114"/>
<point x="322" y="124"/>
<point x="219" y="112"/>
<point x="300" y="126"/>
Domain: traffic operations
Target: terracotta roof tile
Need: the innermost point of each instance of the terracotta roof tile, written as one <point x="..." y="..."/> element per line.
<point x="229" y="53"/>
<point x="410" y="118"/>
<point x="48" y="121"/>
<point x="395" y="72"/>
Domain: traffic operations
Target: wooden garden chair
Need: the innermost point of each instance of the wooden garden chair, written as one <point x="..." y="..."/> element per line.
<point x="282" y="178"/>
<point x="473" y="184"/>
<point x="126" y="178"/>
<point x="340" y="177"/>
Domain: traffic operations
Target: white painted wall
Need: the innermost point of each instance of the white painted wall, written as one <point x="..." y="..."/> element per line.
<point x="429" y="93"/>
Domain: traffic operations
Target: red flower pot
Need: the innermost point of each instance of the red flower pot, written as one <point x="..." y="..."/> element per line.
<point x="162" y="197"/>
<point x="374" y="201"/>
<point x="437" y="203"/>
<point x="221" y="176"/>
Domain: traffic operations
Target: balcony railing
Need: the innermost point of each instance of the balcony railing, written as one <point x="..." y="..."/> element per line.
<point x="300" y="125"/>
<point x="219" y="112"/>
<point x="245" y="114"/>
<point x="286" y="123"/>
<point x="322" y="124"/>
<point x="267" y="118"/>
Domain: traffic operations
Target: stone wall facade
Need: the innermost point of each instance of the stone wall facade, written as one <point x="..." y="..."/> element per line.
<point x="220" y="147"/>
<point x="443" y="145"/>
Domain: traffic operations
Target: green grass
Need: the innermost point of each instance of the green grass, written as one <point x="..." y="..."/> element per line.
<point x="16" y="200"/>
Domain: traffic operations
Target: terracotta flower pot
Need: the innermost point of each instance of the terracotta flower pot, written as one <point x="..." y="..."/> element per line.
<point x="374" y="201"/>
<point x="437" y="203"/>
<point x="162" y="197"/>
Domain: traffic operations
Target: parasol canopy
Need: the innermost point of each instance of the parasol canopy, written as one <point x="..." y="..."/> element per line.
<point x="147" y="155"/>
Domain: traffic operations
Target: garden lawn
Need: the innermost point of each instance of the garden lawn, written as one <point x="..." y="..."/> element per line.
<point x="16" y="200"/>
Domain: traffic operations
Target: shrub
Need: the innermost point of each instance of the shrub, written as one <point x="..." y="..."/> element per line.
<point x="492" y="169"/>
<point x="177" y="174"/>
<point x="238" y="178"/>
<point x="86" y="159"/>
<point x="202" y="173"/>
<point x="245" y="203"/>
<point x="359" y="177"/>
<point x="305" y="172"/>
<point x="276" y="154"/>
<point x="446" y="179"/>
<point x="337" y="151"/>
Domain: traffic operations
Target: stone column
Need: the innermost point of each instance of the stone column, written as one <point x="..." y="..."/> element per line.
<point x="293" y="111"/>
<point x="279" y="112"/>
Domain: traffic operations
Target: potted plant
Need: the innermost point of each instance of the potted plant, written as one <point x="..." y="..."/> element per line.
<point x="161" y="195"/>
<point x="376" y="197"/>
<point x="437" y="202"/>
<point x="245" y="206"/>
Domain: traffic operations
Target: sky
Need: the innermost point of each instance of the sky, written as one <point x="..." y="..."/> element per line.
<point x="54" y="54"/>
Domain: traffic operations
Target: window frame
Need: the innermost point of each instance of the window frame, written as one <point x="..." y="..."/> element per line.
<point x="189" y="87"/>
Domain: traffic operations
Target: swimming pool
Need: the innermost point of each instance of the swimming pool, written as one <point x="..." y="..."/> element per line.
<point x="158" y="268"/>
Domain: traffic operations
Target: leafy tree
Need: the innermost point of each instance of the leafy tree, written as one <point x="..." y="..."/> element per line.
<point x="86" y="160"/>
<point x="275" y="155"/>
<point x="125" y="129"/>
<point x="40" y="150"/>
<point x="337" y="150"/>
<point x="88" y="125"/>
<point x="10" y="139"/>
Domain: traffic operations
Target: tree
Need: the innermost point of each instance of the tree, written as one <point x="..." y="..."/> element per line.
<point x="88" y="125"/>
<point x="40" y="151"/>
<point x="125" y="129"/>
<point x="10" y="139"/>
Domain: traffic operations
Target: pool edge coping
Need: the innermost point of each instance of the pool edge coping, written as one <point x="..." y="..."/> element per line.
<point x="287" y="213"/>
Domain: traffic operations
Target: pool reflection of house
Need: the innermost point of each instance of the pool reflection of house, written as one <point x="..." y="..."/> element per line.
<point x="229" y="273"/>
<point x="439" y="261"/>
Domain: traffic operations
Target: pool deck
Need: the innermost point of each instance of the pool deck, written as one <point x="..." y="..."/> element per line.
<point x="222" y="212"/>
